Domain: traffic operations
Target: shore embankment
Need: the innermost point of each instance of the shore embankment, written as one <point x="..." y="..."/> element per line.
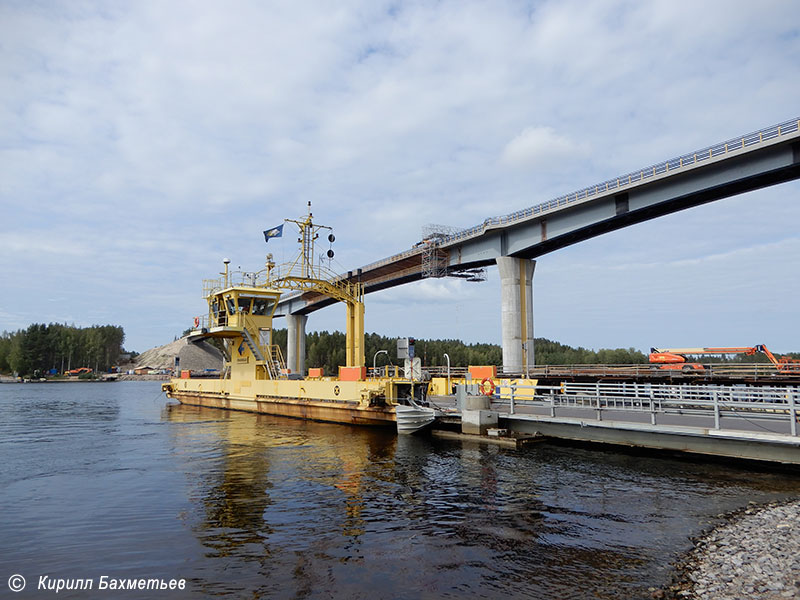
<point x="754" y="554"/>
<point x="146" y="377"/>
<point x="115" y="377"/>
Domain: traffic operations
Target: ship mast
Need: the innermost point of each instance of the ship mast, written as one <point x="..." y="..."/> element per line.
<point x="309" y="233"/>
<point x="303" y="274"/>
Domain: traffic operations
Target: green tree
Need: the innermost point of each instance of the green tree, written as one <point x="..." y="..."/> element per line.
<point x="40" y="347"/>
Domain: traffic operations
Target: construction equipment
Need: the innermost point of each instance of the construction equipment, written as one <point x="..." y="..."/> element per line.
<point x="675" y="358"/>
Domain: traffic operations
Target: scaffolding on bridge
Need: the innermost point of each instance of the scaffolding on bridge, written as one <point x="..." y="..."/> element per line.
<point x="435" y="259"/>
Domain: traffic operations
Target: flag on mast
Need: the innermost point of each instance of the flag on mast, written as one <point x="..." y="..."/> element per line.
<point x="273" y="233"/>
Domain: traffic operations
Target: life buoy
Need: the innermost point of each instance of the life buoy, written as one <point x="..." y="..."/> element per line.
<point x="487" y="391"/>
<point x="336" y="391"/>
<point x="197" y="321"/>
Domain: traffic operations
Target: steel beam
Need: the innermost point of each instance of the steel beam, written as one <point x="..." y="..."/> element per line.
<point x="763" y="159"/>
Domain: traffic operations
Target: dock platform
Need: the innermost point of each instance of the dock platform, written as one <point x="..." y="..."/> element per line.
<point x="742" y="422"/>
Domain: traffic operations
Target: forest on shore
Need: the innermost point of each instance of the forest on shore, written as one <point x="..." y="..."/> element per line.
<point x="43" y="349"/>
<point x="327" y="349"/>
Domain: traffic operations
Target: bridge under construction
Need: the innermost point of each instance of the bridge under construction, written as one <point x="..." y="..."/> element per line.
<point x="752" y="161"/>
<point x="741" y="411"/>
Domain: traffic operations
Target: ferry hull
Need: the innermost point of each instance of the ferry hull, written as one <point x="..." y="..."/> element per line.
<point x="349" y="413"/>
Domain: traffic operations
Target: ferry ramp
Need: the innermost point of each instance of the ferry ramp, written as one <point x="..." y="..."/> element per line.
<point x="742" y="422"/>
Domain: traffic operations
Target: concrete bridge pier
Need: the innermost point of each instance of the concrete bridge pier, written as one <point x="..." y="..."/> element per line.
<point x="296" y="343"/>
<point x="516" y="288"/>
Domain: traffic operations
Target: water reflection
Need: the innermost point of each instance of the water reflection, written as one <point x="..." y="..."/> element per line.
<point x="273" y="489"/>
<point x="234" y="493"/>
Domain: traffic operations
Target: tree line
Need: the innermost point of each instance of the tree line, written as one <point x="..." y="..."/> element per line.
<point x="41" y="348"/>
<point x="327" y="349"/>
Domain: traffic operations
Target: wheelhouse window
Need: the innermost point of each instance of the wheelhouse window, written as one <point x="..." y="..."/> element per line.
<point x="219" y="316"/>
<point x="244" y="305"/>
<point x="262" y="306"/>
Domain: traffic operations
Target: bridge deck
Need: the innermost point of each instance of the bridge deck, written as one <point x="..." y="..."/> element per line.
<point x="745" y="163"/>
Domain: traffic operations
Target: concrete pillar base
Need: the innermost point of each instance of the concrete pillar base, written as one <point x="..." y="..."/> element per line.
<point x="516" y="289"/>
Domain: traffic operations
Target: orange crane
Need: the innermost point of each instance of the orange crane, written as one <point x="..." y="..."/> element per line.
<point x="675" y="358"/>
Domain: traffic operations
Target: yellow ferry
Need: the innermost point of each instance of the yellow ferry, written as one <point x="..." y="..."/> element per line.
<point x="254" y="375"/>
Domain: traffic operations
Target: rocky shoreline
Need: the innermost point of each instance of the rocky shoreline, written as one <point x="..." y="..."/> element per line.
<point x="145" y="377"/>
<point x="754" y="554"/>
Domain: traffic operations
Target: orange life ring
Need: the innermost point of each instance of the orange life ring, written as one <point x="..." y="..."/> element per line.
<point x="197" y="321"/>
<point x="490" y="390"/>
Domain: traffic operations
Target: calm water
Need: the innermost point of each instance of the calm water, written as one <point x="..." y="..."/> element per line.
<point x="111" y="479"/>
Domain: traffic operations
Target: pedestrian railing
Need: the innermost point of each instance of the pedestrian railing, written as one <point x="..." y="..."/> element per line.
<point x="763" y="136"/>
<point x="707" y="371"/>
<point x="683" y="162"/>
<point x="779" y="403"/>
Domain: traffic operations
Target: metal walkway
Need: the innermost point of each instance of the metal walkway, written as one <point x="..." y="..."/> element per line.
<point x="756" y="423"/>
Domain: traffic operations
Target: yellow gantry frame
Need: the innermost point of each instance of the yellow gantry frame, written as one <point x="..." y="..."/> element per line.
<point x="310" y="279"/>
<point x="352" y="295"/>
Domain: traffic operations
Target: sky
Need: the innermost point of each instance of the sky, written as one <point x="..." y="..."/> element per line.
<point x="143" y="142"/>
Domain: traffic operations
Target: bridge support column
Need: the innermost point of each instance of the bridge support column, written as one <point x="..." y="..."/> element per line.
<point x="516" y="288"/>
<point x="296" y="343"/>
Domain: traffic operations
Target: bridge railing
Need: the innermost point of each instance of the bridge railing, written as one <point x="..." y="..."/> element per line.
<point x="752" y="404"/>
<point x="684" y="161"/>
<point x="674" y="164"/>
<point x="745" y="371"/>
<point x="702" y="372"/>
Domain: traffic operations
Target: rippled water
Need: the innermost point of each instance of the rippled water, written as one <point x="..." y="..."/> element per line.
<point x="111" y="479"/>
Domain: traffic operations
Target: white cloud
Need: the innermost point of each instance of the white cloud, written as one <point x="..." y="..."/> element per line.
<point x="541" y="148"/>
<point x="438" y="291"/>
<point x="149" y="139"/>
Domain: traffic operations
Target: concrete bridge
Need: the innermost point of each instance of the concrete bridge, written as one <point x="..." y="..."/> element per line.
<point x="512" y="242"/>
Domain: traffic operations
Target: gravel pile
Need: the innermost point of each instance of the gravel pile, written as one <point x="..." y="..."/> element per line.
<point x="755" y="555"/>
<point x="194" y="356"/>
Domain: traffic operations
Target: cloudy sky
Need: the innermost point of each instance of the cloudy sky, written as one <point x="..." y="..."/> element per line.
<point x="142" y="142"/>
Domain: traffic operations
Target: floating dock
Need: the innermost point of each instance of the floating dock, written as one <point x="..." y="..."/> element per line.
<point x="750" y="423"/>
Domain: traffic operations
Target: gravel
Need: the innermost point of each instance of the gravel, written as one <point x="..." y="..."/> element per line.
<point x="755" y="554"/>
<point x="194" y="356"/>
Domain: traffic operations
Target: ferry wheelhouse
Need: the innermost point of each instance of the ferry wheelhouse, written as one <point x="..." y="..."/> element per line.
<point x="254" y="377"/>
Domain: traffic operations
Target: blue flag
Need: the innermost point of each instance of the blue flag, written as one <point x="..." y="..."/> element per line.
<point x="274" y="232"/>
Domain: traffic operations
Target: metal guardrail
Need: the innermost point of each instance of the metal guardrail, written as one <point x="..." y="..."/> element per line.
<point x="640" y="371"/>
<point x="200" y="322"/>
<point x="748" y="371"/>
<point x="775" y="403"/>
<point x="237" y="278"/>
<point x="671" y="165"/>
<point x="674" y="164"/>
<point x="647" y="370"/>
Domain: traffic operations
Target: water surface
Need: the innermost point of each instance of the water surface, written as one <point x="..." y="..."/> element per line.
<point x="113" y="479"/>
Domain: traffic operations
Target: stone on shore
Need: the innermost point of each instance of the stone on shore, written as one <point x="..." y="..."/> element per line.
<point x="755" y="555"/>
